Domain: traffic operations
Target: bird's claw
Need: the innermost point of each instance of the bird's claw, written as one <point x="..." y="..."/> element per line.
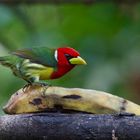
<point x="26" y="86"/>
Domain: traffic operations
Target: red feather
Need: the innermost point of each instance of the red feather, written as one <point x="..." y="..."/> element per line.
<point x="63" y="65"/>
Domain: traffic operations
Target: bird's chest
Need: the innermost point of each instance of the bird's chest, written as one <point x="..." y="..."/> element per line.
<point x="41" y="71"/>
<point x="62" y="70"/>
<point x="45" y="73"/>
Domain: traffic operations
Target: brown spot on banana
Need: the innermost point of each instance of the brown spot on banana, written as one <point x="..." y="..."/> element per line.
<point x="73" y="96"/>
<point x="123" y="105"/>
<point x="36" y="101"/>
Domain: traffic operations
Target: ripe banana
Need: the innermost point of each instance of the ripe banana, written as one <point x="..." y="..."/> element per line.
<point x="39" y="98"/>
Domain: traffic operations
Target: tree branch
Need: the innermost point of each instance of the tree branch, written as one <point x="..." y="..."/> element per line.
<point x="55" y="126"/>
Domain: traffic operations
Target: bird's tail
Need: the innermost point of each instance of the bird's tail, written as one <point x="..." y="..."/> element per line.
<point x="5" y="61"/>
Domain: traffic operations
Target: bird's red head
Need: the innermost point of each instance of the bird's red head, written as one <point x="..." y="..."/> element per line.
<point x="66" y="58"/>
<point x="63" y="55"/>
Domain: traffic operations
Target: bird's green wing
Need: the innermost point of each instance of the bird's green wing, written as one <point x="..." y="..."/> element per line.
<point x="41" y="55"/>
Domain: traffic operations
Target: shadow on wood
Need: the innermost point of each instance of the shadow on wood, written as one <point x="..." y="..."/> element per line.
<point x="58" y="126"/>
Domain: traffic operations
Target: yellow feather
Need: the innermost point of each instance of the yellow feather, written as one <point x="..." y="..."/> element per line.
<point x="38" y="70"/>
<point x="43" y="74"/>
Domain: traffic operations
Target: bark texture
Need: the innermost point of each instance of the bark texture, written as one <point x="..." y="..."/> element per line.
<point x="77" y="126"/>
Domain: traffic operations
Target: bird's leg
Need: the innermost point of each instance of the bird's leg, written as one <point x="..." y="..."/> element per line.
<point x="41" y="83"/>
<point x="35" y="81"/>
<point x="30" y="82"/>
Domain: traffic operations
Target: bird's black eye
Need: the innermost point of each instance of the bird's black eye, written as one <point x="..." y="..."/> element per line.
<point x="68" y="56"/>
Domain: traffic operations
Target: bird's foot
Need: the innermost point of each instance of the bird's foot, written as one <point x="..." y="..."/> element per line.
<point x="41" y="84"/>
<point x="26" y="87"/>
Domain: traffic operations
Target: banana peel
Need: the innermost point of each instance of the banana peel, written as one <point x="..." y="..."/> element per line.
<point x="37" y="98"/>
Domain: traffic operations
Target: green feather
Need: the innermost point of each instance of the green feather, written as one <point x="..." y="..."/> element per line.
<point x="21" y="67"/>
<point x="9" y="61"/>
<point x="41" y="55"/>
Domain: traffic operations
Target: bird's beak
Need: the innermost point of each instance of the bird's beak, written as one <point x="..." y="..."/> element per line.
<point x="77" y="61"/>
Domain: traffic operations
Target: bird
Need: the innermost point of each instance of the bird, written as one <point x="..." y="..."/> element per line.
<point x="42" y="63"/>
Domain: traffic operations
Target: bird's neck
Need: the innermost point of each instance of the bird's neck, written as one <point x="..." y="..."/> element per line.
<point x="62" y="70"/>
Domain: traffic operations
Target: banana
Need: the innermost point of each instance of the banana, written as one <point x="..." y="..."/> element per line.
<point x="37" y="98"/>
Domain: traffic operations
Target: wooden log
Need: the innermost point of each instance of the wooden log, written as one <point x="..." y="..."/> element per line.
<point x="77" y="126"/>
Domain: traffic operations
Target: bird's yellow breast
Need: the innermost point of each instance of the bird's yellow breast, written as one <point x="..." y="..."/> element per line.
<point x="43" y="74"/>
<point x="38" y="70"/>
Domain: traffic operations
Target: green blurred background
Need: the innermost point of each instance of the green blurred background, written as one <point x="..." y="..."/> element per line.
<point x="106" y="35"/>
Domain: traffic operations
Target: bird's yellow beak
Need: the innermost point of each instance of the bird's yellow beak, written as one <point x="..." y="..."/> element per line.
<point x="77" y="61"/>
